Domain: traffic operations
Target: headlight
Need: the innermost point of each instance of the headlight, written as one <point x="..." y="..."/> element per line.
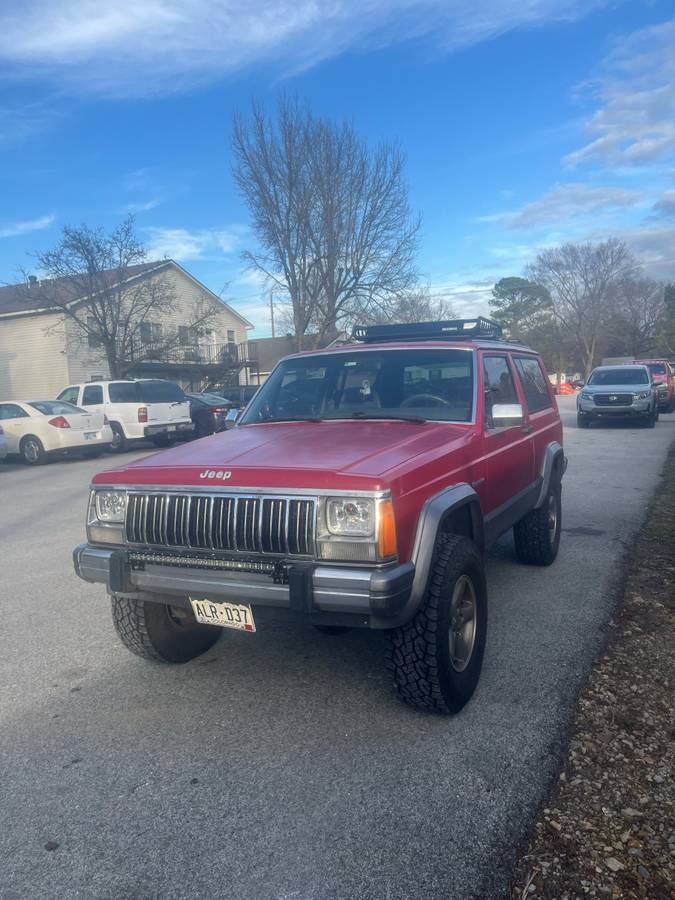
<point x="353" y="516"/>
<point x="111" y="506"/>
<point x="642" y="395"/>
<point x="586" y="395"/>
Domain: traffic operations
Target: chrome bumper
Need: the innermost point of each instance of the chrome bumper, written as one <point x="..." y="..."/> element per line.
<point x="371" y="595"/>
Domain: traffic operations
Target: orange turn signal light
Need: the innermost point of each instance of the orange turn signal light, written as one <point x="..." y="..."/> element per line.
<point x="386" y="536"/>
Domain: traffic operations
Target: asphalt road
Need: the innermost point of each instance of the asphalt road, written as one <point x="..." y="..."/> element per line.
<point x="280" y="765"/>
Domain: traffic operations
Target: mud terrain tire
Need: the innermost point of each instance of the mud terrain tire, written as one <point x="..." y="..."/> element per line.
<point x="161" y="633"/>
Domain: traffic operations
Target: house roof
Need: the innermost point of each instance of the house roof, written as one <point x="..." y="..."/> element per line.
<point x="28" y="298"/>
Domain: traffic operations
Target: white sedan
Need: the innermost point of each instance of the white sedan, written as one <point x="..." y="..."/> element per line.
<point x="36" y="429"/>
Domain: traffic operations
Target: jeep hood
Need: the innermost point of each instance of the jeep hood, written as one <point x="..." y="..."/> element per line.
<point x="338" y="454"/>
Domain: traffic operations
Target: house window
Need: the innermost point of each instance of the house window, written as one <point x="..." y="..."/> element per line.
<point x="231" y="337"/>
<point x="183" y="335"/>
<point x="93" y="340"/>
<point x="151" y="332"/>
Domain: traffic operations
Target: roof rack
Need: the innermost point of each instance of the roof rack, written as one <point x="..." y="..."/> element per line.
<point x="479" y="327"/>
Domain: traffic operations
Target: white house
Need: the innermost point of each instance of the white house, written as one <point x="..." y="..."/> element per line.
<point x="42" y="350"/>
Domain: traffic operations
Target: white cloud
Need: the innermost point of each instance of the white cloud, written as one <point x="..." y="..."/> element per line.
<point x="140" y="47"/>
<point x="136" y="206"/>
<point x="635" y="122"/>
<point x="565" y="201"/>
<point x="182" y="244"/>
<point x="26" y="227"/>
<point x="665" y="205"/>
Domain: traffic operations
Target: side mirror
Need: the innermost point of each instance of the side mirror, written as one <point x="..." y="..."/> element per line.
<point x="506" y="415"/>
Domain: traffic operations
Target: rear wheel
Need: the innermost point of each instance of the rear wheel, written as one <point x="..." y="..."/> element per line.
<point x="436" y="658"/>
<point x="160" y="632"/>
<point x="119" y="441"/>
<point x="32" y="451"/>
<point x="537" y="535"/>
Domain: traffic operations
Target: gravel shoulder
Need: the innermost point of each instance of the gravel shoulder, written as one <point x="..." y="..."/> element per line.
<point x="608" y="829"/>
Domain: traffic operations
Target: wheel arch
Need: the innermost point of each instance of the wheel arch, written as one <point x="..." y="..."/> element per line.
<point x="554" y="464"/>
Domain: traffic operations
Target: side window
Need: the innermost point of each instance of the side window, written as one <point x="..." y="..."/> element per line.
<point x="534" y="384"/>
<point x="69" y="395"/>
<point x="498" y="384"/>
<point x="12" y="411"/>
<point x="93" y="395"/>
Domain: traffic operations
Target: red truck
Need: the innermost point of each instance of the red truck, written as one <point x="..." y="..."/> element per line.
<point x="361" y="488"/>
<point x="664" y="379"/>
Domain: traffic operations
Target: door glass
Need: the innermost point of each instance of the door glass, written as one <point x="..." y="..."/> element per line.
<point x="534" y="384"/>
<point x="93" y="395"/>
<point x="69" y="395"/>
<point x="499" y="386"/>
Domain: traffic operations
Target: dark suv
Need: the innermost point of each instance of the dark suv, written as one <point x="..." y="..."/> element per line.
<point x="361" y="488"/>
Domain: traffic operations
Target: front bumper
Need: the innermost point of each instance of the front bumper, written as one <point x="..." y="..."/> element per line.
<point x="329" y="594"/>
<point x="638" y="409"/>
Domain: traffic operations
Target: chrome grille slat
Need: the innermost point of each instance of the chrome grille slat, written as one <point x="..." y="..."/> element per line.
<point x="232" y="523"/>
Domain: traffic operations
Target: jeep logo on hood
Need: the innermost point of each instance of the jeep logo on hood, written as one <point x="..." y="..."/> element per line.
<point x="211" y="473"/>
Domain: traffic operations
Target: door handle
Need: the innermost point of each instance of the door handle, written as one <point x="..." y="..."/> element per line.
<point x="527" y="429"/>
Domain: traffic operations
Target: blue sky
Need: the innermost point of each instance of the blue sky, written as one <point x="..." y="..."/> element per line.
<point x="524" y="124"/>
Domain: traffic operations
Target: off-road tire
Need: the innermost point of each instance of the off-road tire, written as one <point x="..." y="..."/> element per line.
<point x="581" y="422"/>
<point x="151" y="631"/>
<point x="536" y="543"/>
<point x="119" y="442"/>
<point x="418" y="653"/>
<point x="32" y="451"/>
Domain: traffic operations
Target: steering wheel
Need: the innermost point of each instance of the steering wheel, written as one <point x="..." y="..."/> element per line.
<point x="423" y="400"/>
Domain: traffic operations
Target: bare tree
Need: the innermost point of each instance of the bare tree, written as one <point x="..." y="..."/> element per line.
<point x="416" y="305"/>
<point x="636" y="314"/>
<point x="100" y="283"/>
<point x="582" y="279"/>
<point x="331" y="216"/>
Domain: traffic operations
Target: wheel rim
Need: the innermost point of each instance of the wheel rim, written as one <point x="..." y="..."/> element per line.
<point x="116" y="440"/>
<point x="462" y="623"/>
<point x="31" y="451"/>
<point x="552" y="517"/>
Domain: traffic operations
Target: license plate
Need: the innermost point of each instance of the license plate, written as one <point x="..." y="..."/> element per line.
<point x="171" y="428"/>
<point x="226" y="615"/>
<point x="90" y="435"/>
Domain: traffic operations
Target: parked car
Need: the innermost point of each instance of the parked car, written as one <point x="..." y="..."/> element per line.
<point x="618" y="392"/>
<point x="208" y="413"/>
<point x="360" y="488"/>
<point x="663" y="376"/>
<point x="4" y="446"/>
<point x="36" y="429"/>
<point x="145" y="408"/>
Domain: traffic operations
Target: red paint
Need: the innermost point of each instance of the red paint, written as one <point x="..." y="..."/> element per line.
<point x="412" y="460"/>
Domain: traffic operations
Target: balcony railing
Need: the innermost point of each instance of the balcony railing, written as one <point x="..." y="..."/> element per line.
<point x="220" y="355"/>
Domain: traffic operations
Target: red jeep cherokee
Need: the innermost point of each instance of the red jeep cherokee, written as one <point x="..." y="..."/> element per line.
<point x="361" y="487"/>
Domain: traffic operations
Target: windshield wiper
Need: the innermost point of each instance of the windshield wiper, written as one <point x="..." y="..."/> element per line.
<point x="360" y="414"/>
<point x="292" y="419"/>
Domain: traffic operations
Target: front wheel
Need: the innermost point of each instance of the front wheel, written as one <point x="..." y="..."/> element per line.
<point x="650" y="421"/>
<point x="582" y="422"/>
<point x="537" y="535"/>
<point x="160" y="632"/>
<point x="436" y="658"/>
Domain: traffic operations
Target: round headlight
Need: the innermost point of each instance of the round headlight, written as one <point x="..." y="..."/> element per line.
<point x="110" y="506"/>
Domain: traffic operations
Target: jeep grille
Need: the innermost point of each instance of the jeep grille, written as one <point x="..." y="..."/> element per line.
<point x="232" y="523"/>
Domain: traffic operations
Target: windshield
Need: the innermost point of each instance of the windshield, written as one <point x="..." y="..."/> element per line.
<point x="160" y="392"/>
<point x="55" y="407"/>
<point x="414" y="384"/>
<point x="619" y="376"/>
<point x="657" y="368"/>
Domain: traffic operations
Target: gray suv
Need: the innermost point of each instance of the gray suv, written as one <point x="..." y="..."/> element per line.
<point x="618" y="392"/>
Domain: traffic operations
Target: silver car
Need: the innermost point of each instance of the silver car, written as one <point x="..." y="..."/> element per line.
<point x="618" y="392"/>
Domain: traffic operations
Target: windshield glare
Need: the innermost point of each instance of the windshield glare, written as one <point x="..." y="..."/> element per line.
<point x="619" y="376"/>
<point x="380" y="384"/>
<point x="160" y="392"/>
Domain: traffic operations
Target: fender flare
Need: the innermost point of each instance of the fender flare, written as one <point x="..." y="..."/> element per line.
<point x="432" y="516"/>
<point x="553" y="456"/>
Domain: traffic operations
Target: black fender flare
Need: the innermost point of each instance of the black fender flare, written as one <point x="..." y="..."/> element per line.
<point x="434" y="513"/>
<point x="553" y="457"/>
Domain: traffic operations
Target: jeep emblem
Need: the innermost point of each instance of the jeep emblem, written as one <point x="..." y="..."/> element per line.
<point x="211" y="473"/>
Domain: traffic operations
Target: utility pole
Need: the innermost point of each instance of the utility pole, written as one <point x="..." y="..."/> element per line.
<point x="272" y="310"/>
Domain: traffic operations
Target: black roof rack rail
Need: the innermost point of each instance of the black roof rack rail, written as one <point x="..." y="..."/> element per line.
<point x="466" y="329"/>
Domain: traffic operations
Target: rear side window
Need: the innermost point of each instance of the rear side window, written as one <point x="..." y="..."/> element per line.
<point x="92" y="395"/>
<point x="160" y="392"/>
<point x="534" y="383"/>
<point x="69" y="395"/>
<point x="123" y="392"/>
<point x="12" y="411"/>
